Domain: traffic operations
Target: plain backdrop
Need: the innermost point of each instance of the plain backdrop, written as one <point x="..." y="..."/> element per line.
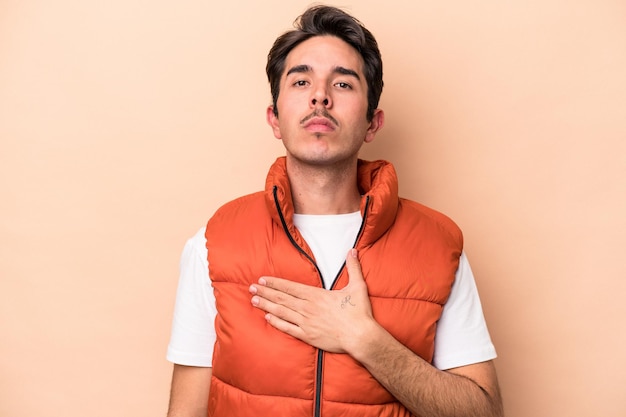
<point x="125" y="124"/>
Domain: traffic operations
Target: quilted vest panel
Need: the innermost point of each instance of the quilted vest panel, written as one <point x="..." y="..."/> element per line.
<point x="408" y="263"/>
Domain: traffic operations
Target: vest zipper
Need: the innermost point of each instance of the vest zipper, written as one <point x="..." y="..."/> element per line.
<point x="317" y="403"/>
<point x="291" y="239"/>
<point x="358" y="236"/>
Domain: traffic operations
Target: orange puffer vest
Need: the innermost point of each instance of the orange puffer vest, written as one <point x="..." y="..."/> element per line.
<point x="409" y="255"/>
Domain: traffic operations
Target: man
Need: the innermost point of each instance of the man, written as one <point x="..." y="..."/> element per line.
<point x="329" y="295"/>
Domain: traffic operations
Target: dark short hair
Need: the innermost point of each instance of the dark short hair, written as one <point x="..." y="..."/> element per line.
<point x="326" y="20"/>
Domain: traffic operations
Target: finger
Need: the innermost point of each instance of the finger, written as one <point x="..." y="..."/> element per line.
<point x="355" y="274"/>
<point x="277" y="310"/>
<point x="274" y="295"/>
<point x="286" y="286"/>
<point x="284" y="326"/>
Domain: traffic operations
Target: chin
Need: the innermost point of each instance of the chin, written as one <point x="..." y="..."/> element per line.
<point x="322" y="160"/>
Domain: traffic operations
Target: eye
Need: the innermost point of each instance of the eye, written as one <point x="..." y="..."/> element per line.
<point x="343" y="85"/>
<point x="300" y="83"/>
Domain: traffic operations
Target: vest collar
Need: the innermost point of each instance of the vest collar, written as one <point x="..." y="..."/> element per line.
<point x="377" y="182"/>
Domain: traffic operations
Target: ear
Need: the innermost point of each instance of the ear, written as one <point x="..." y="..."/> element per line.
<point x="377" y="122"/>
<point x="272" y="120"/>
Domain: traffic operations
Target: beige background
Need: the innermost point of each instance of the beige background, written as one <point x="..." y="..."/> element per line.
<point x="125" y="124"/>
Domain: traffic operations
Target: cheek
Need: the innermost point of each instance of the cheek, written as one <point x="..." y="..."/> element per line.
<point x="290" y="102"/>
<point x="357" y="106"/>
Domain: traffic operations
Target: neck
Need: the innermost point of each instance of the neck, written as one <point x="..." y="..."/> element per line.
<point x="324" y="189"/>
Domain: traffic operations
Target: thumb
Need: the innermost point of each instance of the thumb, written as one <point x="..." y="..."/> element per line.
<point x="355" y="275"/>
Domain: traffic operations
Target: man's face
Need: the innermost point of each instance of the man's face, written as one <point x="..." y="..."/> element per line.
<point x="322" y="104"/>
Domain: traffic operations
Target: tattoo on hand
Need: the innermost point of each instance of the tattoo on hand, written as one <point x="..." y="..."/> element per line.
<point x="346" y="301"/>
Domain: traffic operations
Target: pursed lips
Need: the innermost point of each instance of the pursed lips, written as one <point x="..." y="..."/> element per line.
<point x="319" y="122"/>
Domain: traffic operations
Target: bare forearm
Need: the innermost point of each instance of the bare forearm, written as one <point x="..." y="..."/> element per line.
<point x="426" y="391"/>
<point x="189" y="393"/>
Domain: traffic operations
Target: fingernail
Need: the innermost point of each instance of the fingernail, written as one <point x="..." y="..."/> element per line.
<point x="255" y="301"/>
<point x="262" y="281"/>
<point x="252" y="289"/>
<point x="353" y="252"/>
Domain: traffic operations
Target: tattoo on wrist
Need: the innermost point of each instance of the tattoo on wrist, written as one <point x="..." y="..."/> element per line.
<point x="346" y="300"/>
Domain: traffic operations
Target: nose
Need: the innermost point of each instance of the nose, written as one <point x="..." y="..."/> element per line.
<point x="320" y="96"/>
<point x="324" y="102"/>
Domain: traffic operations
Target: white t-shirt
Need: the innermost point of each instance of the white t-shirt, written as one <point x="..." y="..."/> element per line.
<point x="461" y="338"/>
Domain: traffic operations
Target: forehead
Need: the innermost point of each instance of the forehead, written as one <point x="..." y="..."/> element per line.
<point x="323" y="53"/>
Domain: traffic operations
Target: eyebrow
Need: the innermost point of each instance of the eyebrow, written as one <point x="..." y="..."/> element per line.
<point x="299" y="69"/>
<point x="347" y="71"/>
<point x="338" y="70"/>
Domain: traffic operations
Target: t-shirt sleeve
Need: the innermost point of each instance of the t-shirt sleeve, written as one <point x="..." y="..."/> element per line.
<point x="193" y="333"/>
<point x="462" y="337"/>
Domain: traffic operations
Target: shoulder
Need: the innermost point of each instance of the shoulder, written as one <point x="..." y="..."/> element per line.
<point x="239" y="206"/>
<point x="236" y="220"/>
<point x="194" y="252"/>
<point x="242" y="202"/>
<point x="430" y="218"/>
<point x="198" y="239"/>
